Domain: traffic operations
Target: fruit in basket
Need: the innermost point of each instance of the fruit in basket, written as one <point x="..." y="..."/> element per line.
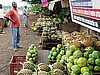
<point x="86" y="73"/>
<point x="75" y="61"/>
<point x="43" y="73"/>
<point x="98" y="43"/>
<point x="90" y="49"/>
<point x="73" y="48"/>
<point x="54" y="53"/>
<point x="56" y="20"/>
<point x="69" y="65"/>
<point x="86" y="55"/>
<point x="87" y="42"/>
<point x="76" y="69"/>
<point x="68" y="53"/>
<point x="59" y="56"/>
<point x="91" y="61"/>
<point x="28" y="65"/>
<point x="59" y="46"/>
<point x="58" y="72"/>
<point x="96" y="54"/>
<point x="90" y="67"/>
<point x="77" y="54"/>
<point x="71" y="59"/>
<point x="82" y="61"/>
<point x="58" y="65"/>
<point x="97" y="68"/>
<point x="54" y="49"/>
<point x="62" y="52"/>
<point x="44" y="67"/>
<point x="54" y="36"/>
<point x="84" y="69"/>
<point x="25" y="71"/>
<point x="76" y="43"/>
<point x="32" y="53"/>
<point x="62" y="61"/>
<point x="97" y="62"/>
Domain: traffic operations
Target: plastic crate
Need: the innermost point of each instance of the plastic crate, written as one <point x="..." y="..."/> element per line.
<point x="15" y="63"/>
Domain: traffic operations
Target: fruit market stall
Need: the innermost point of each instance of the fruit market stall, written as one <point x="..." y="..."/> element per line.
<point x="50" y="37"/>
<point x="83" y="53"/>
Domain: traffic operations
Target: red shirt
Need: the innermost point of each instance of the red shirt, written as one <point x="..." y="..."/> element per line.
<point x="13" y="14"/>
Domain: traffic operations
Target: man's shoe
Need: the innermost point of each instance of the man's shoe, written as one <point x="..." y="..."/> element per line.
<point x="20" y="47"/>
<point x="15" y="49"/>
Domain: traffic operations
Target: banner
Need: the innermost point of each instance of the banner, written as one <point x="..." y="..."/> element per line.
<point x="44" y="3"/>
<point x="86" y="13"/>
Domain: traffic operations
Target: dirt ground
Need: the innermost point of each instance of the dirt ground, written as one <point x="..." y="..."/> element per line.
<point x="28" y="37"/>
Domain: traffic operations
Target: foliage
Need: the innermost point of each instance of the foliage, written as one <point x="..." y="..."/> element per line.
<point x="34" y="1"/>
<point x="65" y="13"/>
<point x="35" y="7"/>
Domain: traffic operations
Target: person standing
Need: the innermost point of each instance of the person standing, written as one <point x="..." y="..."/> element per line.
<point x="1" y="19"/>
<point x="14" y="18"/>
<point x="25" y="16"/>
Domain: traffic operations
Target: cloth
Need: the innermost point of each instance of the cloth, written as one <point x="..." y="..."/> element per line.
<point x="13" y="14"/>
<point x="44" y="3"/>
<point x="1" y="13"/>
<point x="51" y="6"/>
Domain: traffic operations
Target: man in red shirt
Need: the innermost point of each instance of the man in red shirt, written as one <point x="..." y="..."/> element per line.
<point x="14" y="18"/>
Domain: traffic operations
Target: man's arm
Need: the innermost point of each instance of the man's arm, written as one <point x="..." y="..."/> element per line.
<point x="10" y="19"/>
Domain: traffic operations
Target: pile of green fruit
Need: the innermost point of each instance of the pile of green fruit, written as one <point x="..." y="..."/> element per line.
<point x="57" y="20"/>
<point x="53" y="32"/>
<point x="32" y="53"/>
<point x="76" y="62"/>
<point x="56" y="53"/>
<point x="93" y="59"/>
<point x="45" y="33"/>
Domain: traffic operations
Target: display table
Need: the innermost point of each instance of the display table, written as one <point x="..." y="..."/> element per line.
<point x="43" y="56"/>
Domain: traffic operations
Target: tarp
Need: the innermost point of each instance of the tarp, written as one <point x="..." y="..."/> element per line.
<point x="44" y="3"/>
<point x="52" y="4"/>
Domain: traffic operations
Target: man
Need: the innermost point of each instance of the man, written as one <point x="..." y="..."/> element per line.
<point x="1" y="19"/>
<point x="25" y="16"/>
<point x="14" y="18"/>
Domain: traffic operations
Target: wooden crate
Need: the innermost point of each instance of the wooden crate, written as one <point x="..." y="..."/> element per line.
<point x="50" y="43"/>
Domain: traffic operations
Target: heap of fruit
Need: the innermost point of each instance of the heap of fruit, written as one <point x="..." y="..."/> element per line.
<point x="53" y="32"/>
<point x="76" y="62"/>
<point x="25" y="72"/>
<point x="45" y="33"/>
<point x="43" y="69"/>
<point x="93" y="59"/>
<point x="33" y="27"/>
<point x="57" y="20"/>
<point x="32" y="53"/>
<point x="43" y="22"/>
<point x="28" y="68"/>
<point x="56" y="53"/>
